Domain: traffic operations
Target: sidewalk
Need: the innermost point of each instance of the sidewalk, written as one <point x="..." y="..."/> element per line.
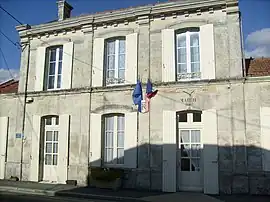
<point x="122" y="195"/>
<point x="100" y="194"/>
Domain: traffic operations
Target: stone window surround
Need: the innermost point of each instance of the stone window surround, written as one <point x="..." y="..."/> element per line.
<point x="109" y="110"/>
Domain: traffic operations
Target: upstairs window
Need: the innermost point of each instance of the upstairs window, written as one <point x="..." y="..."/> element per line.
<point x="54" y="68"/>
<point x="115" y="59"/>
<point x="188" y="55"/>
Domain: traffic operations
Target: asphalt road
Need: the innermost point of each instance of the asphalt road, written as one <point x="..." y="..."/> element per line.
<point x="12" y="197"/>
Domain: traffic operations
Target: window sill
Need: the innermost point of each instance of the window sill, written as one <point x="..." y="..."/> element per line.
<point x="117" y="84"/>
<point x="53" y="89"/>
<point x="120" y="166"/>
<point x="187" y="80"/>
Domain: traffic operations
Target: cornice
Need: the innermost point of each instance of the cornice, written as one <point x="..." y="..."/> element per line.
<point x="127" y="15"/>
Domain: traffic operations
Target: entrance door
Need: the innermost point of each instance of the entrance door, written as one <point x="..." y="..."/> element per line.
<point x="51" y="149"/>
<point x="189" y="154"/>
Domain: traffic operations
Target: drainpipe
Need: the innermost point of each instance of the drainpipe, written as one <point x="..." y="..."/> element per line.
<point x="242" y="46"/>
<point x="24" y="108"/>
<point x="90" y="100"/>
<point x="149" y="127"/>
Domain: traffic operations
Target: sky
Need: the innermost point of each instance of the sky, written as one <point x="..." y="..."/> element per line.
<point x="255" y="17"/>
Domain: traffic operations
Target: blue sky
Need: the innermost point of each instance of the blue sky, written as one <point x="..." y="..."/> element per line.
<point x="255" y="16"/>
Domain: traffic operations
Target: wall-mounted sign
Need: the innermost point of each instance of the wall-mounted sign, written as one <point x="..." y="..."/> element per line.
<point x="19" y="135"/>
<point x="190" y="100"/>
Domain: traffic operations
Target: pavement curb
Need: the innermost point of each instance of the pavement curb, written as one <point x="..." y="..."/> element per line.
<point x="98" y="197"/>
<point x="67" y="194"/>
<point x="27" y="191"/>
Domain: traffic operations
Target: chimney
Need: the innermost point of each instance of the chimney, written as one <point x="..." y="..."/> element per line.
<point x="64" y="10"/>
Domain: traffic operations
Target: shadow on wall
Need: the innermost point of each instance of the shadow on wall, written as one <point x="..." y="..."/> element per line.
<point x="234" y="169"/>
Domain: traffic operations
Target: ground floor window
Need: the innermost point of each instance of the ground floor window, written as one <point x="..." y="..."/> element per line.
<point x="190" y="145"/>
<point x="114" y="135"/>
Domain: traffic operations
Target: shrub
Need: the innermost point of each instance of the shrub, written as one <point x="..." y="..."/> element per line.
<point x="106" y="174"/>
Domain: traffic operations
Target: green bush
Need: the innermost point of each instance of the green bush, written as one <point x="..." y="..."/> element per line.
<point x="106" y="174"/>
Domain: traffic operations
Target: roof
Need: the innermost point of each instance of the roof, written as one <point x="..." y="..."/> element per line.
<point x="10" y="86"/>
<point x="168" y="7"/>
<point x="258" y="67"/>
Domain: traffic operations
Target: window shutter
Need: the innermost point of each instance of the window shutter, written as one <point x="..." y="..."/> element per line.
<point x="130" y="153"/>
<point x="3" y="144"/>
<point x="40" y="67"/>
<point x="210" y="152"/>
<point x="67" y="65"/>
<point x="95" y="140"/>
<point x="168" y="55"/>
<point x="131" y="58"/>
<point x="98" y="62"/>
<point x="207" y="52"/>
<point x="62" y="165"/>
<point x="34" y="169"/>
<point x="169" y="152"/>
<point x="265" y="137"/>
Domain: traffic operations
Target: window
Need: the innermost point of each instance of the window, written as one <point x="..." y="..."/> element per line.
<point x="115" y="61"/>
<point x="190" y="145"/>
<point x="188" y="55"/>
<point x="189" y="140"/>
<point x="51" y="140"/>
<point x="114" y="134"/>
<point x="54" y="68"/>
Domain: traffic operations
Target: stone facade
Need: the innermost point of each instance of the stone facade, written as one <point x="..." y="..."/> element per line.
<point x="236" y="98"/>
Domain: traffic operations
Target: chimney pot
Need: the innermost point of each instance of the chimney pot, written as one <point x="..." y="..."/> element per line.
<point x="64" y="10"/>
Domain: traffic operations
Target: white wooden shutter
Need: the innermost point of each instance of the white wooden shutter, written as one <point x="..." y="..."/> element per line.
<point x="63" y="137"/>
<point x="3" y="144"/>
<point x="40" y="68"/>
<point x="131" y="58"/>
<point x="207" y="52"/>
<point x="168" y="55"/>
<point x="265" y="137"/>
<point x="67" y="65"/>
<point x="95" y="136"/>
<point x="98" y="62"/>
<point x="130" y="154"/>
<point x="210" y="152"/>
<point x="34" y="169"/>
<point x="169" y="152"/>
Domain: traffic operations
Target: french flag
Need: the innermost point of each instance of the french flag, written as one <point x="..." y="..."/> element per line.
<point x="149" y="94"/>
<point x="149" y="90"/>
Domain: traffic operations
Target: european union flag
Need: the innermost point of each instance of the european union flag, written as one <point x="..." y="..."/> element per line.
<point x="137" y="95"/>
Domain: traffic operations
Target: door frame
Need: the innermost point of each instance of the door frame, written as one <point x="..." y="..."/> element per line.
<point x="53" y="127"/>
<point x="210" y="128"/>
<point x="189" y="125"/>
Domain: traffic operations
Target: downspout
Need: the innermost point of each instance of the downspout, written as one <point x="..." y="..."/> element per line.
<point x="149" y="126"/>
<point x="90" y="103"/>
<point x="244" y="95"/>
<point x="242" y="46"/>
<point x="245" y="130"/>
<point x="24" y="108"/>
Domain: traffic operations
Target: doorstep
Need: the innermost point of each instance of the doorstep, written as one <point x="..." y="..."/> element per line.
<point x="36" y="188"/>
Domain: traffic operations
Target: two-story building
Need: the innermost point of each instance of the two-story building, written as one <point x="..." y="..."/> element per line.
<point x="207" y="128"/>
